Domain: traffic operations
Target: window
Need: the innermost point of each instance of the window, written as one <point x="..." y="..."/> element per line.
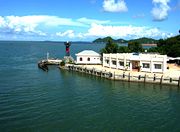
<point x="157" y="66"/>
<point x="114" y="62"/>
<point x="121" y="63"/>
<point x="81" y="59"/>
<point x="107" y="61"/>
<point x="146" y="65"/>
<point x="128" y="64"/>
<point x="88" y="59"/>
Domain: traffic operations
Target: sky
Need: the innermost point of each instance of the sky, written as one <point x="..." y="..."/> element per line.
<point x="86" y="20"/>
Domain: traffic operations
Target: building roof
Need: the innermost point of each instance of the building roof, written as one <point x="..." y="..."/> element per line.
<point x="87" y="53"/>
<point x="137" y="57"/>
<point x="176" y="58"/>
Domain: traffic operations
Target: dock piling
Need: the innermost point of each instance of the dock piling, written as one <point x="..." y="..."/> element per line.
<point x="129" y="77"/>
<point x="161" y="80"/>
<point x="145" y="78"/>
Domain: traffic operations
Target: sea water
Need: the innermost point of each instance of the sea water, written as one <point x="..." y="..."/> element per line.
<point x="59" y="100"/>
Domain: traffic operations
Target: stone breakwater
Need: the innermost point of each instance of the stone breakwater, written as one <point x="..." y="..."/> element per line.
<point x="130" y="76"/>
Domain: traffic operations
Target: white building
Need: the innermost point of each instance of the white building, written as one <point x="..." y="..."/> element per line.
<point x="88" y="57"/>
<point x="134" y="61"/>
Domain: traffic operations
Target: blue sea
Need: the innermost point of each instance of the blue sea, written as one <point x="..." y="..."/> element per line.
<point x="59" y="100"/>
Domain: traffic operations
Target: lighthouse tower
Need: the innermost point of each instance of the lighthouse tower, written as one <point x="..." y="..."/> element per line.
<point x="67" y="45"/>
<point x="67" y="57"/>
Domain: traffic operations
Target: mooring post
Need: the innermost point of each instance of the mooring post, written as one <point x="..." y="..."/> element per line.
<point x="85" y="70"/>
<point x="139" y="77"/>
<point x="161" y="79"/>
<point x="123" y="75"/>
<point x="154" y="77"/>
<point x="145" y="78"/>
<point x="170" y="80"/>
<point x="111" y="75"/>
<point x="129" y="77"/>
<point x="114" y="75"/>
<point x="179" y="82"/>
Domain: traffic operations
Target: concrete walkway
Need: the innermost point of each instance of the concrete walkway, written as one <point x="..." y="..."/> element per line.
<point x="172" y="72"/>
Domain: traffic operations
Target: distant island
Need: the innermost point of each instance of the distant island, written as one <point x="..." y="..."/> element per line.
<point x="144" y="40"/>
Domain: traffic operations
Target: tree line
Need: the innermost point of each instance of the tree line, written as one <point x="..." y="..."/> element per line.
<point x="170" y="47"/>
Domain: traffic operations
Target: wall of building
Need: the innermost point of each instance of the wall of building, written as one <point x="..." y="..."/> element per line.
<point x="88" y="60"/>
<point x="147" y="62"/>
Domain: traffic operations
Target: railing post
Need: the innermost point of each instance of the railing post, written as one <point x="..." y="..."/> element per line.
<point x="154" y="77"/>
<point x="145" y="78"/>
<point x="129" y="77"/>
<point x="114" y="75"/>
<point x="161" y="79"/>
<point x="123" y="75"/>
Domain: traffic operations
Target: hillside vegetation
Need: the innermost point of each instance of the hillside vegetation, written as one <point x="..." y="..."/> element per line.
<point x="140" y="40"/>
<point x="170" y="46"/>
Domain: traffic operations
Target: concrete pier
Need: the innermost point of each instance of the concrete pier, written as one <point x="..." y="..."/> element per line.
<point x="114" y="74"/>
<point x="43" y="64"/>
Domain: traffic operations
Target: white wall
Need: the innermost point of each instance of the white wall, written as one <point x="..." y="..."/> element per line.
<point x="157" y="70"/>
<point x="145" y="69"/>
<point x="143" y="58"/>
<point x="93" y="60"/>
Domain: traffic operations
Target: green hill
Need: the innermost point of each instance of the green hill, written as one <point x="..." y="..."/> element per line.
<point x="105" y="40"/>
<point x="144" y="40"/>
<point x="140" y="40"/>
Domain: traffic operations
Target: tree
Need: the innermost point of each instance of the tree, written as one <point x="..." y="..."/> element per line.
<point x="161" y="42"/>
<point x="110" y="47"/>
<point x="123" y="49"/>
<point x="170" y="46"/>
<point x="135" y="47"/>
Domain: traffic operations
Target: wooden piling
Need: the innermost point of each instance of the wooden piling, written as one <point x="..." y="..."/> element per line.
<point x="170" y="80"/>
<point x="129" y="77"/>
<point x="114" y="76"/>
<point x="123" y="75"/>
<point x="161" y="79"/>
<point x="179" y="82"/>
<point x="145" y="78"/>
<point x="110" y="75"/>
<point x="154" y="79"/>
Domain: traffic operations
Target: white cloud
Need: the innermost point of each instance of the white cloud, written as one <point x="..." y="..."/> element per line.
<point x="2" y="22"/>
<point x="113" y="6"/>
<point x="32" y="25"/>
<point x="46" y="26"/>
<point x="33" y="21"/>
<point x="68" y="33"/>
<point x="85" y="20"/>
<point x="130" y="31"/>
<point x="57" y="21"/>
<point x="160" y="10"/>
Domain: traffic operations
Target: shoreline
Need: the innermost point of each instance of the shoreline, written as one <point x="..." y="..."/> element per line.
<point x="171" y="77"/>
